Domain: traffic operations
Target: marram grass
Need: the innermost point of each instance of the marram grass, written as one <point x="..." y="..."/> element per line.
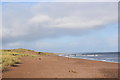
<point x="9" y="58"/>
<point x="12" y="56"/>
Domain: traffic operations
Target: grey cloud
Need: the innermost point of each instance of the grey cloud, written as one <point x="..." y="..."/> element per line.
<point x="30" y="22"/>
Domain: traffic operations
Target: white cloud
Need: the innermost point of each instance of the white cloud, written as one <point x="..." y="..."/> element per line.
<point x="80" y="22"/>
<point x="40" y="19"/>
<point x="76" y="15"/>
<point x="32" y="21"/>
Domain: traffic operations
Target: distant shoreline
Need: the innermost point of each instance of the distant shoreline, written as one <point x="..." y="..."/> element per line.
<point x="89" y="59"/>
<point x="101" y="56"/>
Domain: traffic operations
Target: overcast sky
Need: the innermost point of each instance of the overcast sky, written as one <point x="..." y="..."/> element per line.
<point x="60" y="27"/>
<point x="60" y="0"/>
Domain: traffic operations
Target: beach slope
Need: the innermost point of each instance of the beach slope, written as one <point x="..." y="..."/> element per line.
<point x="51" y="66"/>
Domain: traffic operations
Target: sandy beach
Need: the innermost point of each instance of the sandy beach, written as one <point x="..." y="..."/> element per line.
<point x="61" y="67"/>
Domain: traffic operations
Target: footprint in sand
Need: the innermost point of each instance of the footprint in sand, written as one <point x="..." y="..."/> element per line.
<point x="39" y="58"/>
<point x="72" y="71"/>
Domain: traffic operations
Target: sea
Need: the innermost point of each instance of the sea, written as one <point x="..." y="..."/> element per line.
<point x="98" y="56"/>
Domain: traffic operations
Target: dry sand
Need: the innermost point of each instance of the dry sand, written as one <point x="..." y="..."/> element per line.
<point x="61" y="67"/>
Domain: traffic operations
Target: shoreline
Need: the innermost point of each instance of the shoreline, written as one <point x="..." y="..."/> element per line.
<point x="90" y="59"/>
<point x="62" y="67"/>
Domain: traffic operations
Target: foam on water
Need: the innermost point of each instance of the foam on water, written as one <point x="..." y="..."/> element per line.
<point x="106" y="56"/>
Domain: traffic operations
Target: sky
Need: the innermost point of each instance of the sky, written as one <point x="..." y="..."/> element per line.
<point x="60" y="27"/>
<point x="60" y="0"/>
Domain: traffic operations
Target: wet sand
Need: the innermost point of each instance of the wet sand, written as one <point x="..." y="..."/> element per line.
<point x="61" y="67"/>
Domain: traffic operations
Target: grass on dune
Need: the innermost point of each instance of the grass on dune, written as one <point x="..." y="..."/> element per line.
<point x="46" y="53"/>
<point x="12" y="56"/>
<point x="9" y="58"/>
